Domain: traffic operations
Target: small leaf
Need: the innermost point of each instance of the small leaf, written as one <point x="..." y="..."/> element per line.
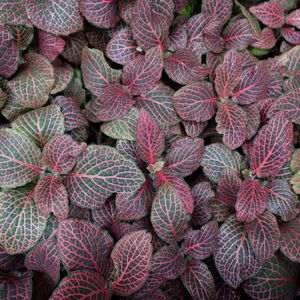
<point x="290" y="239"/>
<point x="22" y="224"/>
<point x="150" y="140"/>
<point x="184" y="67"/>
<point x="131" y="257"/>
<point x="264" y="236"/>
<point x="92" y="245"/>
<point x="291" y="35"/>
<point x="196" y="102"/>
<point x="266" y="39"/>
<point x="75" y="91"/>
<point x="63" y="74"/>
<point x="168" y="215"/>
<point x="144" y="71"/>
<point x="10" y="262"/>
<point x="217" y="157"/>
<point x="55" y="17"/>
<point x="96" y="72"/>
<point x="105" y="216"/>
<point x="220" y="10"/>
<point x="200" y="244"/>
<point x="270" y="13"/>
<point x="168" y="262"/>
<point x="44" y="257"/>
<point x="228" y="74"/>
<point x="251" y="200"/>
<point x="193" y="128"/>
<point x="234" y="246"/>
<point x="271" y="147"/>
<point x="293" y="18"/>
<point x="295" y="161"/>
<point x="83" y="284"/>
<point x="41" y="125"/>
<point x="20" y="159"/>
<point x="198" y="280"/>
<point x="177" y="38"/>
<point x="114" y="174"/>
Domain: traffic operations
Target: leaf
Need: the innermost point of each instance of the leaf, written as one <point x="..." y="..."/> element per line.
<point x="124" y="128"/>
<point x="193" y="128"/>
<point x="44" y="257"/>
<point x="150" y="140"/>
<point x="158" y="103"/>
<point x="281" y="200"/>
<point x="131" y="257"/>
<point x="143" y="72"/>
<point x="270" y="13"/>
<point x="295" y="161"/>
<point x="55" y="17"/>
<point x="122" y="48"/>
<point x="198" y="280"/>
<point x="219" y="210"/>
<point x="105" y="216"/>
<point x="253" y="86"/>
<point x="168" y="215"/>
<point x="75" y="91"/>
<point x="184" y="156"/>
<point x="228" y="187"/>
<point x="295" y="181"/>
<point x="289" y="104"/>
<point x="277" y="279"/>
<point x="16" y="285"/>
<point x="196" y="102"/>
<point x="271" y="147"/>
<point x="266" y="40"/>
<point x="168" y="262"/>
<point x="293" y="18"/>
<point x="97" y="74"/>
<point x="83" y="284"/>
<point x="10" y="262"/>
<point x="220" y="10"/>
<point x="183" y="67"/>
<point x="291" y="35"/>
<point x="63" y="75"/>
<point x="264" y="236"/>
<point x="290" y="239"/>
<point x="41" y="125"/>
<point x="83" y="245"/>
<point x="234" y="247"/>
<point x="33" y="82"/>
<point x="20" y="159"/>
<point x="50" y="45"/>
<point x="13" y="12"/>
<point x="212" y="36"/>
<point x="9" y="53"/>
<point x="217" y="157"/>
<point x="3" y="98"/>
<point x="136" y="205"/>
<point x="115" y="102"/>
<point x="195" y="27"/>
<point x="177" y="38"/>
<point x="103" y="14"/>
<point x="253" y="121"/>
<point x="238" y="34"/>
<point x="22" y="35"/>
<point x="100" y="172"/>
<point x="251" y="200"/>
<point x="147" y="30"/>
<point x="22" y="225"/>
<point x="200" y="244"/>
<point x="231" y="122"/>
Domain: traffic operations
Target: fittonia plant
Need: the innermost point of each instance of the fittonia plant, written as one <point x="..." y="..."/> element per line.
<point x="149" y="149"/>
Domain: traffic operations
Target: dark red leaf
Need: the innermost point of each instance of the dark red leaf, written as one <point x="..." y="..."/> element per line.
<point x="177" y="38"/>
<point x="105" y="216"/>
<point x="291" y="35"/>
<point x="293" y="18"/>
<point x="212" y="36"/>
<point x="218" y="9"/>
<point x="266" y="40"/>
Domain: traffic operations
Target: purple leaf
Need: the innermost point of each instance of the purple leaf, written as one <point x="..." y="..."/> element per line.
<point x="55" y="17"/>
<point x="234" y="247"/>
<point x="100" y="172"/>
<point x="63" y="74"/>
<point x="291" y="35"/>
<point x="50" y="195"/>
<point x="266" y="40"/>
<point x="82" y="284"/>
<point x="168" y="215"/>
<point x="198" y="280"/>
<point x="175" y="290"/>
<point x="193" y="128"/>
<point x="271" y="147"/>
<point x="144" y="71"/>
<point x="105" y="216"/>
<point x="200" y="244"/>
<point x="231" y="122"/>
<point x="197" y="102"/>
<point x="184" y="156"/>
<point x="270" y="13"/>
<point x="131" y="257"/>
<point x="13" y="12"/>
<point x="290" y="239"/>
<point x="103" y="13"/>
<point x="44" y="257"/>
<point x="293" y="18"/>
<point x="177" y="38"/>
<point x="168" y="262"/>
<point x="10" y="262"/>
<point x="220" y="10"/>
<point x="264" y="236"/>
<point x="20" y="159"/>
<point x="238" y="34"/>
<point x="195" y="27"/>
<point x="220" y="210"/>
<point x="251" y="200"/>
<point x="83" y="236"/>
<point x="212" y="36"/>
<point x="97" y="74"/>
<point x="22" y="224"/>
<point x="150" y="140"/>
<point x="184" y="67"/>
